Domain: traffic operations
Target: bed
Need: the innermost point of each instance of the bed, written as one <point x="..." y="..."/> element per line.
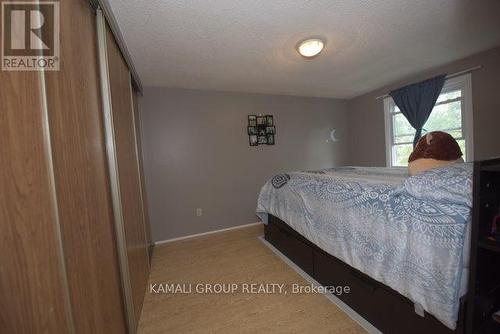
<point x="409" y="234"/>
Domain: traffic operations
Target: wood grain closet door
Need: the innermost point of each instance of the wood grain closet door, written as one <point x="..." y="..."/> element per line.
<point x="128" y="172"/>
<point x="138" y="132"/>
<point x="33" y="294"/>
<point x="85" y="208"/>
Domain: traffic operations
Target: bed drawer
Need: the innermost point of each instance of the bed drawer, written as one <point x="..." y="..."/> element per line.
<point x="330" y="271"/>
<point x="289" y="244"/>
<point x="383" y="307"/>
<point x="395" y="311"/>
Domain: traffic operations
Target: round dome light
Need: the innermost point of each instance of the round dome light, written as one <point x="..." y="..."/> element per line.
<point x="310" y="48"/>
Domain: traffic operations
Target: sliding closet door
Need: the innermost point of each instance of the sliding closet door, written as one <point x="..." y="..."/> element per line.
<point x="83" y="195"/>
<point x="126" y="156"/>
<point x="138" y="127"/>
<point x="33" y="294"/>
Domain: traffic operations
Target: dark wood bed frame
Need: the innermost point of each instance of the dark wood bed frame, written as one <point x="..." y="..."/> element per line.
<point x="380" y="305"/>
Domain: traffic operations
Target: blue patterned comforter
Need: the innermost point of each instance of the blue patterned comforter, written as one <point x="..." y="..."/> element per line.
<point x="406" y="232"/>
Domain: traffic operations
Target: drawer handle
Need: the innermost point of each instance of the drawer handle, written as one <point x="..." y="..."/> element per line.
<point x="361" y="279"/>
<point x="285" y="232"/>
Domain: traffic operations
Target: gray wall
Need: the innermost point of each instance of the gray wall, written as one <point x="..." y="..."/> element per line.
<point x="366" y="115"/>
<point x="197" y="154"/>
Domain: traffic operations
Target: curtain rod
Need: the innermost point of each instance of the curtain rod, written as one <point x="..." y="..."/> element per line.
<point x="449" y="76"/>
<point x="113" y="25"/>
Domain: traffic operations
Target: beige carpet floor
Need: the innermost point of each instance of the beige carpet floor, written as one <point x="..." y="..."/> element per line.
<point x="233" y="257"/>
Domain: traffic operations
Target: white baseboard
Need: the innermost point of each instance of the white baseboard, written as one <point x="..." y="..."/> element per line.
<point x="157" y="243"/>
<point x="334" y="299"/>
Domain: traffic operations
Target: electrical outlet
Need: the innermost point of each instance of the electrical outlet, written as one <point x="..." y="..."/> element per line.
<point x="199" y="212"/>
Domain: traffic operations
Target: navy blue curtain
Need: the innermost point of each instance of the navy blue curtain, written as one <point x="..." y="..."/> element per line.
<point x="417" y="100"/>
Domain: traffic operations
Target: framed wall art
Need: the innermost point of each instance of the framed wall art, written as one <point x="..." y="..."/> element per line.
<point x="261" y="130"/>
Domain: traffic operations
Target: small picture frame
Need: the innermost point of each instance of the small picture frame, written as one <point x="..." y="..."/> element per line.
<point x="270" y="139"/>
<point x="252" y="120"/>
<point x="261" y="120"/>
<point x="253" y="140"/>
<point x="262" y="140"/>
<point x="252" y="130"/>
<point x="269" y="120"/>
<point x="261" y="131"/>
<point x="270" y="130"/>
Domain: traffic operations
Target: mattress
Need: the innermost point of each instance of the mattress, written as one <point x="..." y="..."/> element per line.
<point x="409" y="233"/>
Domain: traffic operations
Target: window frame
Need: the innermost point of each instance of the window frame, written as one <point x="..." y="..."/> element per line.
<point x="463" y="82"/>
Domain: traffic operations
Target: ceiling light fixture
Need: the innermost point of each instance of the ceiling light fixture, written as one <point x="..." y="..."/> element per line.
<point x="310" y="48"/>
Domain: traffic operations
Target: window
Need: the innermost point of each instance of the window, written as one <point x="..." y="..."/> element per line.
<point x="452" y="113"/>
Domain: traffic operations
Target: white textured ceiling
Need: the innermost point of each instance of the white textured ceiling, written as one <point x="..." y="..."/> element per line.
<point x="249" y="45"/>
